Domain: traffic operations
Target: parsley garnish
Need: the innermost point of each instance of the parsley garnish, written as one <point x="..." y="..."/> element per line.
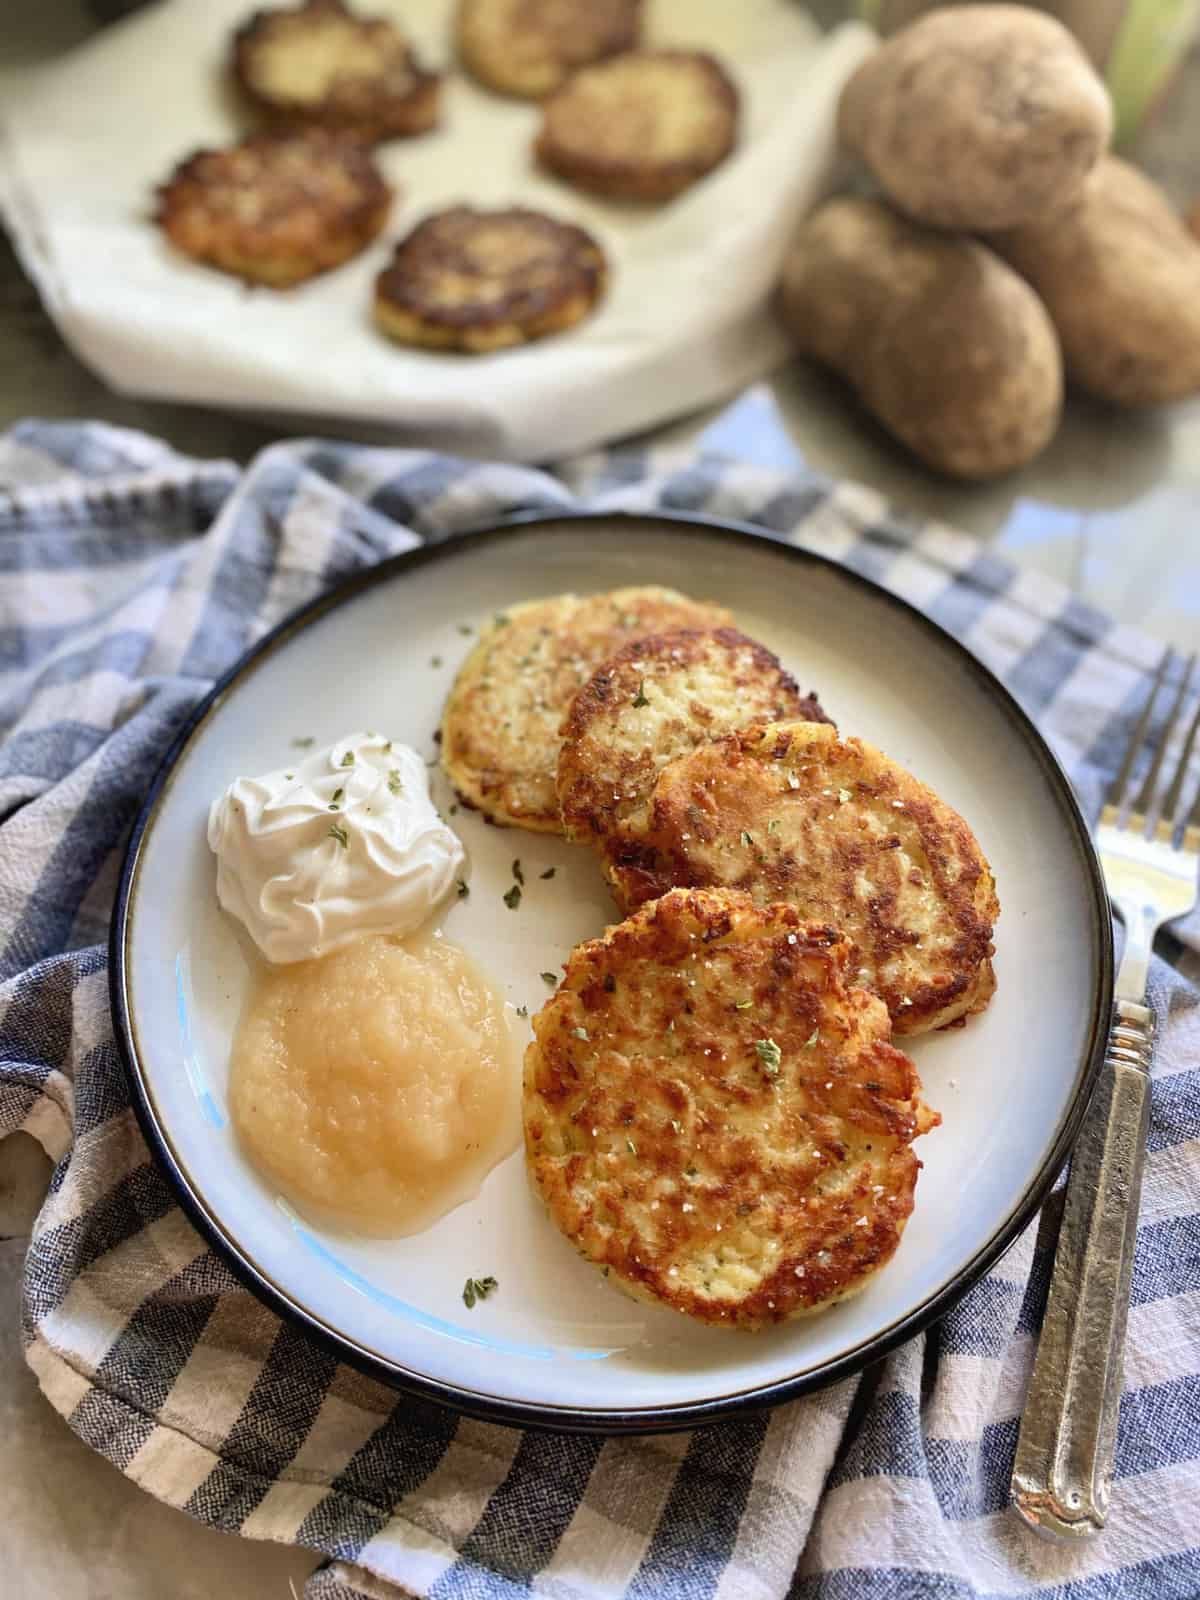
<point x="551" y="979"/>
<point x="477" y="1289"/>
<point x="454" y="809"/>
<point x="631" y="1147"/>
<point x="580" y="1033"/>
<point x="742" y="1005"/>
<point x="773" y="825"/>
<point x="465" y="628"/>
<point x="549" y="873"/>
<point x="304" y="744"/>
<point x="678" y="1126"/>
<point x="463" y="890"/>
<point x="340" y="834"/>
<point x="747" y="840"/>
<point x="395" y="782"/>
<point x="639" y="698"/>
<point x="517" y="870"/>
<point x="770" y="1055"/>
<point x="522" y="1011"/>
<point x="337" y="794"/>
<point x="500" y="620"/>
<point x="811" y="1041"/>
<point x="348" y="759"/>
<point x="513" y="898"/>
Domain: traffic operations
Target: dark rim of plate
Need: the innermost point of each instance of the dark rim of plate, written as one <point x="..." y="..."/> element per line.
<point x="645" y="1419"/>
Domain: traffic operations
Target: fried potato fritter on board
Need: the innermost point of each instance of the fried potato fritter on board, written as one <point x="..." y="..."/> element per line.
<point x="794" y="813"/>
<point x="716" y="1117"/>
<point x="500" y="727"/>
<point x="317" y="63"/>
<point x="529" y="47"/>
<point x="642" y="126"/>
<point x="487" y="280"/>
<point x="277" y="208"/>
<point x="655" y="701"/>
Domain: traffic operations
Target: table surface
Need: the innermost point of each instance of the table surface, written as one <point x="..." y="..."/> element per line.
<point x="1112" y="510"/>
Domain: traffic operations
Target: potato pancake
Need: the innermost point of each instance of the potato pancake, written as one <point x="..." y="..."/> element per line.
<point x="716" y="1118"/>
<point x="795" y="813"/>
<point x="500" y="728"/>
<point x="530" y="47"/>
<point x="641" y="126"/>
<point x="656" y="700"/>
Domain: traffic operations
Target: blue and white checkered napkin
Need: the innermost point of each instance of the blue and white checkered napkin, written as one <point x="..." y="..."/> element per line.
<point x="130" y="577"/>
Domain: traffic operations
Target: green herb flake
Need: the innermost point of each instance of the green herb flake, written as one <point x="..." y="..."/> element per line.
<point x="811" y="1042"/>
<point x="631" y="1147"/>
<point x="551" y="979"/>
<point x="463" y="889"/>
<point x="465" y="629"/>
<point x="549" y="873"/>
<point x="454" y="809"/>
<point x="305" y="743"/>
<point x="742" y="1005"/>
<point x="340" y="834"/>
<point x="348" y="759"/>
<point x="435" y="662"/>
<point x="513" y="898"/>
<point x="395" y="782"/>
<point x="289" y="776"/>
<point x="639" y="698"/>
<point x="747" y="840"/>
<point x="580" y="1033"/>
<point x="770" y="1055"/>
<point x="773" y="825"/>
<point x="522" y="1011"/>
<point x="477" y="1289"/>
<point x="387" y="747"/>
<point x="500" y="620"/>
<point x="678" y="1126"/>
<point x="518" y="871"/>
<point x="337" y="794"/>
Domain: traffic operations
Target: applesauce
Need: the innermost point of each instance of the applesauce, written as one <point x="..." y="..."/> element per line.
<point x="378" y="1085"/>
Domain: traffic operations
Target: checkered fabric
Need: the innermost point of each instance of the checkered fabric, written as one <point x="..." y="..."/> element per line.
<point x="129" y="578"/>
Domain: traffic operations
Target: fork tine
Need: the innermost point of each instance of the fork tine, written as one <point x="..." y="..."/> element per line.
<point x="1116" y="794"/>
<point x="1170" y="804"/>
<point x="1145" y="797"/>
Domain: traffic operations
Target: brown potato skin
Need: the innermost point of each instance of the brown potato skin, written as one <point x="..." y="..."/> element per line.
<point x="944" y="344"/>
<point x="978" y="117"/>
<point x="1120" y="276"/>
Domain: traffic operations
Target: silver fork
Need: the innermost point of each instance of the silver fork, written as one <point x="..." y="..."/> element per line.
<point x="1062" y="1475"/>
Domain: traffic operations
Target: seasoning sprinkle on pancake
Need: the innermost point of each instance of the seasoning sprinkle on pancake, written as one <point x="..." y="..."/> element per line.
<point x="277" y="208"/>
<point x="487" y="280"/>
<point x="641" y="126"/>
<point x="717" y="1118"/>
<point x="500" y="727"/>
<point x="796" y="813"/>
<point x="529" y="48"/>
<point x="318" y="63"/>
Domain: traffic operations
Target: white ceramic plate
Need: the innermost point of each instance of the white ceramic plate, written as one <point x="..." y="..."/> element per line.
<point x="557" y="1344"/>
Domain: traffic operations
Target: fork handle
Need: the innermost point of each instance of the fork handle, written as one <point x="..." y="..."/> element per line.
<point x="1062" y="1475"/>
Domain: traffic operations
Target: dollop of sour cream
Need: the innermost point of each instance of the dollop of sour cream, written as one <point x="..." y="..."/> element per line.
<point x="343" y="843"/>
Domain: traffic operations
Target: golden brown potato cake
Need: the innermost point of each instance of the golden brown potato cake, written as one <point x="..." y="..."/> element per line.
<point x="318" y="63"/>
<point x="642" y="126"/>
<point x="656" y="700"/>
<point x="529" y="47"/>
<point x="716" y="1117"/>
<point x="793" y="812"/>
<point x="500" y="728"/>
<point x="277" y="208"/>
<point x="487" y="280"/>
